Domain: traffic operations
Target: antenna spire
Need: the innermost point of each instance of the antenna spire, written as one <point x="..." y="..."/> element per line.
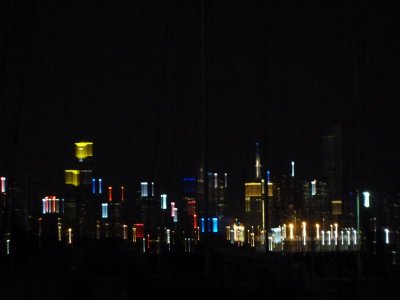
<point x="258" y="162"/>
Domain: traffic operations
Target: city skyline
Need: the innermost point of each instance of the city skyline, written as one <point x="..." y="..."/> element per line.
<point x="278" y="75"/>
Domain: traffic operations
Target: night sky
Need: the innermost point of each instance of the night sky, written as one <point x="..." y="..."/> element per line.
<point x="128" y="76"/>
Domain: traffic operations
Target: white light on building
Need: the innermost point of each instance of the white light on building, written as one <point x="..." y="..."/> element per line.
<point x="313" y="187"/>
<point x="69" y="235"/>
<point x="386" y="236"/>
<point x="143" y="189"/>
<point x="164" y="201"/>
<point x="292" y="163"/>
<point x="366" y="199"/>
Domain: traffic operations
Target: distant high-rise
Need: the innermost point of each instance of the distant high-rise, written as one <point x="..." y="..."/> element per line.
<point x="217" y="196"/>
<point x="189" y="201"/>
<point x="333" y="164"/>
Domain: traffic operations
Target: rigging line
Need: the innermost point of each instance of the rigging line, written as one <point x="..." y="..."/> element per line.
<point x="170" y="137"/>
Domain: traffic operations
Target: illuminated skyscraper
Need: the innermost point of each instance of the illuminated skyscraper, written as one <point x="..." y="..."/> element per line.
<point x="51" y="220"/>
<point x="217" y="196"/>
<point x="255" y="198"/>
<point x="82" y="202"/>
<point x="189" y="201"/>
<point x="148" y="207"/>
<point x="315" y="204"/>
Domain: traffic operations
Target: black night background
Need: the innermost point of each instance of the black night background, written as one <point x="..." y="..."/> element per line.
<point x="151" y="82"/>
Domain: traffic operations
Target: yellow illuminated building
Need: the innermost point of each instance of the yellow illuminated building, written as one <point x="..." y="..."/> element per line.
<point x="83" y="150"/>
<point x="270" y="189"/>
<point x="336" y="207"/>
<point x="253" y="189"/>
<point x="72" y="177"/>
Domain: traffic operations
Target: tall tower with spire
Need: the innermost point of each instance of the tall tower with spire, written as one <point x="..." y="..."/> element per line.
<point x="255" y="200"/>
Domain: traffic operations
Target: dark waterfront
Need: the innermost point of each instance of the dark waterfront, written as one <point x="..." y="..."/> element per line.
<point x="121" y="272"/>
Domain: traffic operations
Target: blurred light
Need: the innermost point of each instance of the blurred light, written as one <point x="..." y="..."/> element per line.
<point x="134" y="234"/>
<point x="228" y="230"/>
<point x="69" y="235"/>
<point x="8" y="246"/>
<point x="143" y="189"/>
<point x="100" y="185"/>
<point x="163" y="201"/>
<point x="291" y="236"/>
<point x="366" y="199"/>
<point x="336" y="233"/>
<point x="214" y="224"/>
<point x="284" y="231"/>
<point x="104" y="210"/>
<point x="292" y="163"/>
<point x="355" y="236"/>
<point x="110" y="193"/>
<point x="125" y="232"/>
<point x="313" y="187"/>
<point x="59" y="233"/>
<point x="386" y="236"/>
<point x="51" y="204"/>
<point x="168" y="236"/>
<point x="122" y="194"/>
<point x="98" y="231"/>
<point x="173" y="209"/>
<point x="3" y="184"/>
<point x="202" y="224"/>
<point x="93" y="185"/>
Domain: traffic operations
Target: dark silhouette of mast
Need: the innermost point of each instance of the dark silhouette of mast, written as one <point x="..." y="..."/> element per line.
<point x="205" y="115"/>
<point x="206" y="234"/>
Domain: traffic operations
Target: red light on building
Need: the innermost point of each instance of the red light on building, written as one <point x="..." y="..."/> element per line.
<point x="191" y="207"/>
<point x="194" y="221"/>
<point x="139" y="230"/>
<point x="110" y="193"/>
<point x="51" y="204"/>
